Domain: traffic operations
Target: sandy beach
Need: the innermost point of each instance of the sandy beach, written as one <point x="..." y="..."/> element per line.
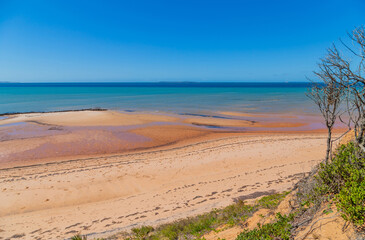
<point x="182" y="120"/>
<point x="99" y="172"/>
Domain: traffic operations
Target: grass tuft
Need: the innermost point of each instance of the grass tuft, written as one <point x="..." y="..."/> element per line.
<point x="272" y="201"/>
<point x="280" y="229"/>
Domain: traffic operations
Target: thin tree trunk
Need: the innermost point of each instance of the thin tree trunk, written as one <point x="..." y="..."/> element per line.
<point x="360" y="135"/>
<point x="329" y="147"/>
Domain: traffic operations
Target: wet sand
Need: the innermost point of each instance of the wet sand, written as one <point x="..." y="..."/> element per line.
<point x="33" y="138"/>
<point x="59" y="177"/>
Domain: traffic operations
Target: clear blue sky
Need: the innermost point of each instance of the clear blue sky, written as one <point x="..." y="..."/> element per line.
<point x="247" y="40"/>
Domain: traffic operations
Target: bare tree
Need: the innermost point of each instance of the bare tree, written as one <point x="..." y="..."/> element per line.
<point x="327" y="96"/>
<point x="350" y="74"/>
<point x="355" y="80"/>
<point x="343" y="79"/>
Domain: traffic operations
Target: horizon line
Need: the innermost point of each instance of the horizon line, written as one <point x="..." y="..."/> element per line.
<point x="137" y="82"/>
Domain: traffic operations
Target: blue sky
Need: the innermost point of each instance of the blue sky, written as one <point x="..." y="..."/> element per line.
<point x="247" y="40"/>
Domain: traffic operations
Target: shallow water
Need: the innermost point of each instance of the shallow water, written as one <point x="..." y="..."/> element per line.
<point x="13" y="124"/>
<point x="166" y="97"/>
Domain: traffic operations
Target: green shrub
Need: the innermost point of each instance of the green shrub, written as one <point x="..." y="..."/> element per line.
<point x="344" y="179"/>
<point x="235" y="213"/>
<point x="351" y="201"/>
<point x="142" y="232"/>
<point x="170" y="231"/>
<point x="277" y="230"/>
<point x="341" y="169"/>
<point x="272" y="201"/>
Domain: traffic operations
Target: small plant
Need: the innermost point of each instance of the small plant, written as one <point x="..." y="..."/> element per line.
<point x="142" y="232"/>
<point x="272" y="201"/>
<point x="277" y="230"/>
<point x="79" y="237"/>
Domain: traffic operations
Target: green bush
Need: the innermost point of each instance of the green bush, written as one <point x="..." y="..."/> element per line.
<point x="351" y="201"/>
<point x="277" y="230"/>
<point x="272" y="201"/>
<point x="344" y="179"/>
<point x="142" y="232"/>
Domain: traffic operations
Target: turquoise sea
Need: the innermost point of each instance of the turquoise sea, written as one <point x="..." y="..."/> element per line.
<point x="181" y="97"/>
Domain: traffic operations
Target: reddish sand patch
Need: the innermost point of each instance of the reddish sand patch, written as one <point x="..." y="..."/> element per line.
<point x="45" y="137"/>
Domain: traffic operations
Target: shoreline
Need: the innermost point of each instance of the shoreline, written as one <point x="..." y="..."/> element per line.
<point x="55" y="111"/>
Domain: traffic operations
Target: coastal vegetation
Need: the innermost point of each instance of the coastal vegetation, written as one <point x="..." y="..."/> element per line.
<point x="343" y="180"/>
<point x="280" y="229"/>
<point x="339" y="94"/>
<point x="196" y="227"/>
<point x="340" y="182"/>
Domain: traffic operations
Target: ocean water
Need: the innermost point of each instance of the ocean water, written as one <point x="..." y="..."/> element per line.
<point x="183" y="97"/>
